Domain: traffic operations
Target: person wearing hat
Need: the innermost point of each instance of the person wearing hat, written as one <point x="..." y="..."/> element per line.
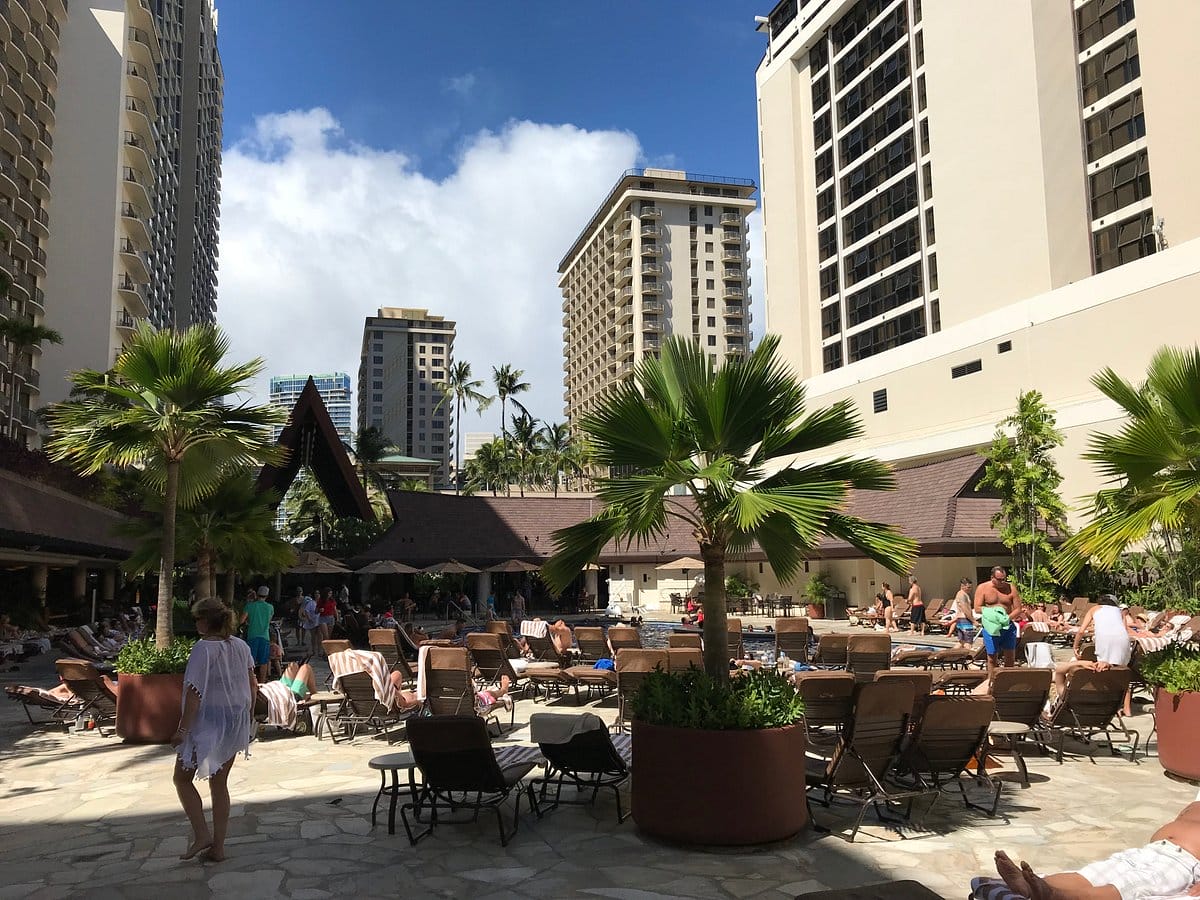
<point x="257" y="619"/>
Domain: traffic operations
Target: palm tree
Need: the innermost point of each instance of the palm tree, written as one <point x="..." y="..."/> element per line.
<point x="370" y="447"/>
<point x="463" y="388"/>
<point x="162" y="406"/>
<point x="725" y="434"/>
<point x="508" y="383"/>
<point x="526" y="436"/>
<point x="555" y="451"/>
<point x="488" y="469"/>
<point x="1152" y="468"/>
<point x="305" y="507"/>
<point x="23" y="337"/>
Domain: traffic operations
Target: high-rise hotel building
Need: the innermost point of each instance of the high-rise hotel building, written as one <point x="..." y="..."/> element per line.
<point x="335" y="391"/>
<point x="665" y="254"/>
<point x="963" y="201"/>
<point x="139" y="119"/>
<point x="406" y="354"/>
<point x="30" y="47"/>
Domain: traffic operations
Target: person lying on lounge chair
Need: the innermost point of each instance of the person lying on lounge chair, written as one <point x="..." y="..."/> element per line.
<point x="493" y="695"/>
<point x="454" y="632"/>
<point x="1165" y="867"/>
<point x="299" y="678"/>
<point x="1064" y="670"/>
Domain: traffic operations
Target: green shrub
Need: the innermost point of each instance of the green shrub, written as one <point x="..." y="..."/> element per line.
<point x="1175" y="668"/>
<point x="141" y="657"/>
<point x="738" y="585"/>
<point x="694" y="699"/>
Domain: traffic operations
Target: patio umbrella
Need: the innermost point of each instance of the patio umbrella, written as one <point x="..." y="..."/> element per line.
<point x="387" y="567"/>
<point x="312" y="563"/>
<point x="684" y="564"/>
<point x="513" y="565"/>
<point x="451" y="567"/>
<point x="592" y="567"/>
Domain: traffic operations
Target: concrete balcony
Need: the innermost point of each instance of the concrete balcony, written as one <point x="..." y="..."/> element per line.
<point x="651" y="230"/>
<point x="731" y="218"/>
<point x="624" y="313"/>
<point x="626" y="291"/>
<point x="652" y="249"/>
<point x="652" y="306"/>
<point x="735" y="330"/>
<point x="733" y="292"/>
<point x="733" y="274"/>
<point x="625" y="275"/>
<point x="735" y="311"/>
<point x="132" y="293"/>
<point x="732" y="236"/>
<point x="650" y="212"/>
<point x="652" y="287"/>
<point x="730" y="255"/>
<point x="655" y="326"/>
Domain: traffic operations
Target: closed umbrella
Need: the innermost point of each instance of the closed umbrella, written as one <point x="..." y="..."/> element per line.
<point x="387" y="567"/>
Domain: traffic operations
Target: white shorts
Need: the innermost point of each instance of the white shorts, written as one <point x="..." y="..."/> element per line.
<point x="1161" y="869"/>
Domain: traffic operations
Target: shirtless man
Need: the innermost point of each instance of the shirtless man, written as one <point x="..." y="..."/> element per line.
<point x="916" y="605"/>
<point x="1001" y="596"/>
<point x="1167" y="866"/>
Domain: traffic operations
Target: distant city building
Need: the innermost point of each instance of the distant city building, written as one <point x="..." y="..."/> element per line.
<point x="665" y="254"/>
<point x="335" y="391"/>
<point x="29" y="123"/>
<point x="963" y="201"/>
<point x="406" y="353"/>
<point x="137" y="178"/>
<point x="472" y="441"/>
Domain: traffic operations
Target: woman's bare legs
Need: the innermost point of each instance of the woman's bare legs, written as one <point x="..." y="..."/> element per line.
<point x="218" y="787"/>
<point x="193" y="808"/>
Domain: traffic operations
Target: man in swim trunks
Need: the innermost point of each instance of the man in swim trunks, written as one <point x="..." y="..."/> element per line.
<point x="997" y="603"/>
<point x="1166" y="867"/>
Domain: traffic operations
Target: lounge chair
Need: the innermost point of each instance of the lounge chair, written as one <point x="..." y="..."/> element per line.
<point x="831" y="650"/>
<point x="95" y="693"/>
<point x="921" y="681"/>
<point x="450" y="690"/>
<point x="632" y="668"/>
<point x="504" y="630"/>
<point x="792" y="636"/>
<point x="681" y="640"/>
<point x="958" y="682"/>
<point x="588" y="676"/>
<point x="933" y="612"/>
<point x="952" y="658"/>
<point x="734" y="631"/>
<point x="912" y="658"/>
<point x="369" y="696"/>
<point x="866" y="654"/>
<point x="331" y="647"/>
<point x="621" y="637"/>
<point x="865" y="751"/>
<point x="1020" y="696"/>
<point x="59" y="711"/>
<point x="949" y="736"/>
<point x="592" y="645"/>
<point x="680" y="659"/>
<point x="828" y="701"/>
<point x="548" y="678"/>
<point x="487" y="652"/>
<point x="578" y="751"/>
<point x="386" y="641"/>
<point x="543" y="650"/>
<point x="1091" y="706"/>
<point x="460" y="771"/>
<point x="1029" y="636"/>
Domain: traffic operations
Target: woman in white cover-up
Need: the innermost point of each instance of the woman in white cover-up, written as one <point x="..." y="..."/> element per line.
<point x="218" y="703"/>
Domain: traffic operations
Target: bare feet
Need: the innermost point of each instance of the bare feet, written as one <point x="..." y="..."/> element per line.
<point x="214" y="854"/>
<point x="197" y="846"/>
<point x="1038" y="889"/>
<point x="1011" y="873"/>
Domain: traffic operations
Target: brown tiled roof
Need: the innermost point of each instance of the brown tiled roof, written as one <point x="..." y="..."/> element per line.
<point x="934" y="503"/>
<point x="311" y="439"/>
<point x="33" y="515"/>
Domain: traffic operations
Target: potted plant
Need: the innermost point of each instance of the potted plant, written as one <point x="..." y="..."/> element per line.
<point x="1174" y="674"/>
<point x="817" y="590"/>
<point x="739" y="740"/>
<point x="150" y="689"/>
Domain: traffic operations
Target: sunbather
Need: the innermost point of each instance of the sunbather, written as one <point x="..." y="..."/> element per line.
<point x="300" y="679"/>
<point x="492" y="696"/>
<point x="1166" y="867"/>
<point x="560" y="633"/>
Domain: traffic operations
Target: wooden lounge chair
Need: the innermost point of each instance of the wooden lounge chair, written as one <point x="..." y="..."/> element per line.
<point x="361" y="706"/>
<point x="921" y="681"/>
<point x="578" y="751"/>
<point x="1020" y="696"/>
<point x="791" y="637"/>
<point x="95" y="694"/>
<point x="331" y="647"/>
<point x="912" y="658"/>
<point x="680" y="659"/>
<point x="58" y="711"/>
<point x="831" y="650"/>
<point x="734" y="630"/>
<point x="460" y="771"/>
<point x="622" y="637"/>
<point x="1091" y="706"/>
<point x="592" y="645"/>
<point x="950" y="734"/>
<point x="952" y="658"/>
<point x="450" y="690"/>
<point x="866" y="654"/>
<point x="957" y="682"/>
<point x="828" y="701"/>
<point x="543" y="649"/>
<point x="682" y="640"/>
<point x="632" y="668"/>
<point x="504" y="630"/>
<point x="487" y="652"/>
<point x="933" y="610"/>
<point x="386" y="642"/>
<point x="550" y="678"/>
<point x="865" y="751"/>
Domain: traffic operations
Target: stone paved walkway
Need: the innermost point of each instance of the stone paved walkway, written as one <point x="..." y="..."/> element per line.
<point x="79" y="812"/>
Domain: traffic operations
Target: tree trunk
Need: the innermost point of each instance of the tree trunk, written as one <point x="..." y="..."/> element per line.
<point x="230" y="578"/>
<point x="504" y="445"/>
<point x="163" y="630"/>
<point x="716" y="628"/>
<point x="457" y="447"/>
<point x="204" y="572"/>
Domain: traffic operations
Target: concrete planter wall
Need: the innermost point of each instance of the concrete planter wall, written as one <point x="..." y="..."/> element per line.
<point x="1178" y="719"/>
<point x="148" y="707"/>
<point x="718" y="788"/>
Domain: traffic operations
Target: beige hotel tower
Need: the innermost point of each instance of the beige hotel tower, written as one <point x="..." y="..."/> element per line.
<point x="665" y="254"/>
<point x="962" y="201"/>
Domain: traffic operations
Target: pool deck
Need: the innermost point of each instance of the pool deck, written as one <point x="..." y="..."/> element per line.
<point x="80" y="812"/>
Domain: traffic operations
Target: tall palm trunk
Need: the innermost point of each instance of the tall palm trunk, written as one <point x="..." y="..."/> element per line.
<point x="504" y="444"/>
<point x="205" y="572"/>
<point x="166" y="594"/>
<point x="227" y="590"/>
<point x="716" y="627"/>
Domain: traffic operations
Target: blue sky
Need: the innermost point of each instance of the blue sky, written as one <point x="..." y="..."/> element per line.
<point x="390" y="153"/>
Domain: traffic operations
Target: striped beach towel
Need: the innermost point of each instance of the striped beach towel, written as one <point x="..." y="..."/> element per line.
<point x="368" y="661"/>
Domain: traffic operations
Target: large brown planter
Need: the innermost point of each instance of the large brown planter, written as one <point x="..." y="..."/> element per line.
<point x="816" y="610"/>
<point x="1178" y="719"/>
<point x="724" y="788"/>
<point x="148" y="707"/>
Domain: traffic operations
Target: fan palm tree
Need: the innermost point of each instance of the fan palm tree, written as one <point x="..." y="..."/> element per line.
<point x="724" y="435"/>
<point x="508" y="383"/>
<point x="162" y="406"/>
<point x="526" y="436"/>
<point x="1152" y="469"/>
<point x="371" y="445"/>
<point x="464" y="389"/>
<point x="555" y="451"/>
<point x="488" y="469"/>
<point x="305" y="506"/>
<point x="23" y="336"/>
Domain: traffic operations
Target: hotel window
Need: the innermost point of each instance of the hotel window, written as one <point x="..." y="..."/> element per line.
<point x="829" y="281"/>
<point x="1100" y="18"/>
<point x="824" y="166"/>
<point x="880" y="210"/>
<point x="831" y="357"/>
<point x="825" y="205"/>
<point x="881" y="38"/>
<point x="933" y="276"/>
<point x="935" y="316"/>
<point x="921" y="93"/>
<point x="1112" y="69"/>
<point x="820" y="91"/>
<point x="710" y="284"/>
<point x="712" y="340"/>
<point x="864" y="136"/>
<point x="708" y="245"/>
<point x="886" y="294"/>
<point x="822" y="130"/>
<point x="882" y="252"/>
<point x="712" y="321"/>
<point x="1120" y="184"/>
<point x="708" y="210"/>
<point x="877" y="169"/>
<point x="1113" y="128"/>
<point x="1124" y="242"/>
<point x="827" y="242"/>
<point x="927" y="180"/>
<point x="708" y="229"/>
<point x="863" y="95"/>
<point x="930" y="234"/>
<point x="904" y="328"/>
<point x="831" y="320"/>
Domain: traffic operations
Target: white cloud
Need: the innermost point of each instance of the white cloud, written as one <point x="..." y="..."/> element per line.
<point x="460" y="84"/>
<point x="317" y="234"/>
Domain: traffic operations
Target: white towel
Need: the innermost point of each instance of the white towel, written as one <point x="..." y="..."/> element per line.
<point x="422" y="655"/>
<point x="281" y="704"/>
<point x="535" y="628"/>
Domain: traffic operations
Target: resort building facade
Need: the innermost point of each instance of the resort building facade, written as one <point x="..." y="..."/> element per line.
<point x="665" y="254"/>
<point x="138" y="170"/>
<point x="31" y="41"/>
<point x="962" y="202"/>
<point x="336" y="393"/>
<point x="406" y="354"/>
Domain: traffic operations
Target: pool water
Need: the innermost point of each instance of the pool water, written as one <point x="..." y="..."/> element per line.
<point x="654" y="636"/>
